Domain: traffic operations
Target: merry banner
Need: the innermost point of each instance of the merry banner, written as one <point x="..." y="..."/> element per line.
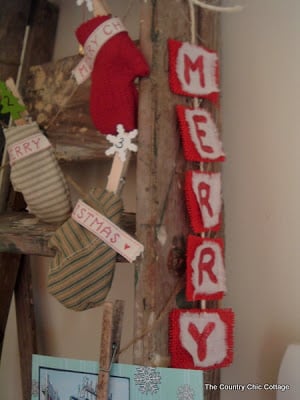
<point x="200" y="339"/>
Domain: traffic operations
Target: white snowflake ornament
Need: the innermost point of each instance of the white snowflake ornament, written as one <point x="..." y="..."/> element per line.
<point x="89" y="4"/>
<point x="147" y="379"/>
<point x="122" y="142"/>
<point x="185" y="392"/>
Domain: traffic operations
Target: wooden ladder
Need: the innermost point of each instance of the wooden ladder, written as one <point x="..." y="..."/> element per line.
<point x="34" y="24"/>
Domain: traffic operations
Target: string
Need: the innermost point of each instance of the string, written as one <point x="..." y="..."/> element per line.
<point x="128" y="9"/>
<point x="62" y="107"/>
<point x="196" y="101"/>
<point x="217" y="8"/>
<point x="192" y="22"/>
<point x="180" y="284"/>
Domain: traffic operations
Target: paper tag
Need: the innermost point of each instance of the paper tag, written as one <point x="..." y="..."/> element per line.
<point x="27" y="146"/>
<point x="107" y="231"/>
<point x="94" y="42"/>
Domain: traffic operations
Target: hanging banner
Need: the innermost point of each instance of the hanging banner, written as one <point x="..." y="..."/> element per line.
<point x="201" y="339"/>
<point x="205" y="273"/>
<point x="203" y="200"/>
<point x="193" y="70"/>
<point x="200" y="136"/>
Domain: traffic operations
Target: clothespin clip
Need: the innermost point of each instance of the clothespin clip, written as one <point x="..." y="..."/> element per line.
<point x="100" y="7"/>
<point x="110" y="343"/>
<point x="122" y="147"/>
<point x="114" y="349"/>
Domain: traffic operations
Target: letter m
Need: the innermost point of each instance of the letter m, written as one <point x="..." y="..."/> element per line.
<point x="197" y="65"/>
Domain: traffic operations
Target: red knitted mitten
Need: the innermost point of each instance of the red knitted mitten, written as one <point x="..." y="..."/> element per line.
<point x="113" y="98"/>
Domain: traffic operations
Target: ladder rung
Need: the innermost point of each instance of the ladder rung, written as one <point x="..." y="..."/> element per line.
<point x="21" y="232"/>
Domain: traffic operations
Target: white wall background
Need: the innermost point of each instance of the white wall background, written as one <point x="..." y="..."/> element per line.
<point x="260" y="111"/>
<point x="261" y="119"/>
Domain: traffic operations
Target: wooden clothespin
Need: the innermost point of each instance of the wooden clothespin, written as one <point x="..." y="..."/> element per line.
<point x="120" y="164"/>
<point x="121" y="148"/>
<point x="110" y="343"/>
<point x="100" y="7"/>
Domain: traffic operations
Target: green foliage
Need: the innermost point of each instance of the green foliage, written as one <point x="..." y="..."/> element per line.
<point x="9" y="103"/>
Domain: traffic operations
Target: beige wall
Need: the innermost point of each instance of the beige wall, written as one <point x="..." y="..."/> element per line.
<point x="261" y="118"/>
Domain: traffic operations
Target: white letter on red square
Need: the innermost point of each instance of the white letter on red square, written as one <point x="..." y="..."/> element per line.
<point x="203" y="199"/>
<point x="205" y="273"/>
<point x="200" y="136"/>
<point x="201" y="339"/>
<point x="193" y="70"/>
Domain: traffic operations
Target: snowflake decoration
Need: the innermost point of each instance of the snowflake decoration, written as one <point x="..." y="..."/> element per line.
<point x="185" y="392"/>
<point x="89" y="4"/>
<point x="121" y="143"/>
<point x="147" y="379"/>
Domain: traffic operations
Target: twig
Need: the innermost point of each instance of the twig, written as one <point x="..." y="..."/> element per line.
<point x="179" y="285"/>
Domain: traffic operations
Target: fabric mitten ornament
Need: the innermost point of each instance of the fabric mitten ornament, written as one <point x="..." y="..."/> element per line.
<point x="35" y="172"/>
<point x="81" y="273"/>
<point x="114" y="62"/>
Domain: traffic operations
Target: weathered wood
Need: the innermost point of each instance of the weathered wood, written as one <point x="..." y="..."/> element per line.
<point x="161" y="213"/>
<point x="118" y="315"/>
<point x="61" y="108"/>
<point x="14" y="13"/>
<point x="14" y="17"/>
<point x="23" y="233"/>
<point x="9" y="267"/>
<point x="39" y="21"/>
<point x="43" y="20"/>
<point x="110" y="342"/>
<point x="105" y="351"/>
<point x="25" y="324"/>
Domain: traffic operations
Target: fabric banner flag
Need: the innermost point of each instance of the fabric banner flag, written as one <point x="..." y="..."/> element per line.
<point x="200" y="136"/>
<point x="201" y="339"/>
<point x="194" y="70"/>
<point x="203" y="199"/>
<point x="205" y="274"/>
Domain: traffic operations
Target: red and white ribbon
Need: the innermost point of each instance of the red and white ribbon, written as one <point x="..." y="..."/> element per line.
<point x="93" y="44"/>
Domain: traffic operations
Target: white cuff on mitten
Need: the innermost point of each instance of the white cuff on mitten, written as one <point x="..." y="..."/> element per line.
<point x="35" y="172"/>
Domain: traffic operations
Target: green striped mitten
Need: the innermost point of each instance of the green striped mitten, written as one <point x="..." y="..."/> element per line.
<point x="35" y="172"/>
<point x="82" y="270"/>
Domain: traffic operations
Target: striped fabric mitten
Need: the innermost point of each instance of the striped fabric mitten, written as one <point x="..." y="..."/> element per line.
<point x="35" y="172"/>
<point x="81" y="273"/>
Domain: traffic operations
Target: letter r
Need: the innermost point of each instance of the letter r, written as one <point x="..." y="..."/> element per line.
<point x="207" y="265"/>
<point x="204" y="195"/>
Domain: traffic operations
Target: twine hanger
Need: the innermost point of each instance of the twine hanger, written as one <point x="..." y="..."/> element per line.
<point x="193" y="38"/>
<point x="212" y="7"/>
